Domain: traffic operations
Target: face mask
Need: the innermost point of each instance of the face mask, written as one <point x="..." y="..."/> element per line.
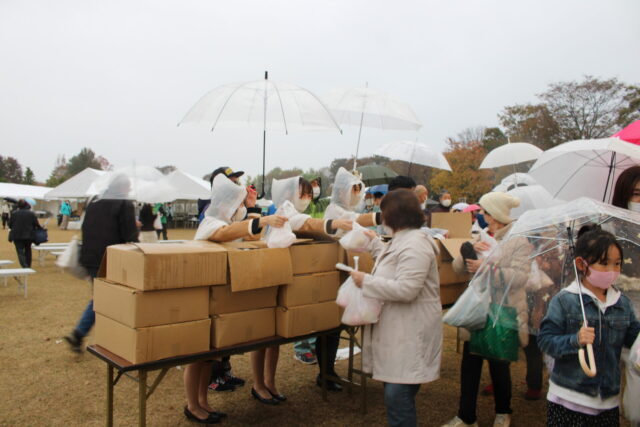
<point x="423" y="205"/>
<point x="481" y="222"/>
<point x="355" y="199"/>
<point x="301" y="205"/>
<point x="602" y="279"/>
<point x="316" y="192"/>
<point x="368" y="202"/>
<point x="634" y="206"/>
<point x="446" y="203"/>
<point x="240" y="214"/>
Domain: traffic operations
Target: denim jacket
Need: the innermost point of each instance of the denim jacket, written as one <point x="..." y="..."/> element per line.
<point x="558" y="337"/>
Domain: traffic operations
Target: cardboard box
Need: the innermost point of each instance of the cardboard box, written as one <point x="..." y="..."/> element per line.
<point x="459" y="226"/>
<point x="222" y="300"/>
<point x="151" y="266"/>
<point x="307" y="319"/>
<point x="138" y="309"/>
<point x="450" y="293"/>
<point x="310" y="289"/>
<point x="236" y="328"/>
<point x="314" y="257"/>
<point x="457" y="223"/>
<point x="252" y="266"/>
<point x="365" y="261"/>
<point x="152" y="343"/>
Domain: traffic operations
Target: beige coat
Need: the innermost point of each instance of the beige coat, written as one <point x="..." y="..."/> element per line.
<point x="405" y="346"/>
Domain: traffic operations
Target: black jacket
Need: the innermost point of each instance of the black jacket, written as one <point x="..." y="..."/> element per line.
<point x="147" y="218"/>
<point x="23" y="224"/>
<point x="106" y="222"/>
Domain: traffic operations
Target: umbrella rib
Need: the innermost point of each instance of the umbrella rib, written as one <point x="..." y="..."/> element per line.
<point x="325" y="109"/>
<point x="284" y="119"/>
<point x="225" y="105"/>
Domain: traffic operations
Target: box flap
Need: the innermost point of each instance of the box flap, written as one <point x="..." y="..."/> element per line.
<point x="314" y="235"/>
<point x="169" y="248"/>
<point x="453" y="246"/>
<point x="458" y="223"/>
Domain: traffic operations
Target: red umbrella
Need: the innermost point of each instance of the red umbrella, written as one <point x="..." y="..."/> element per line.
<point x="631" y="133"/>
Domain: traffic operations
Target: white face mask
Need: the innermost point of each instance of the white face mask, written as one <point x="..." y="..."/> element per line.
<point x="316" y="192"/>
<point x="368" y="202"/>
<point x="423" y="205"/>
<point x="634" y="206"/>
<point x="301" y="205"/>
<point x="446" y="203"/>
<point x="355" y="199"/>
<point x="240" y="214"/>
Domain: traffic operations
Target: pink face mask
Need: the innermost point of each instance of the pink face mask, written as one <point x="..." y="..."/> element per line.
<point x="602" y="279"/>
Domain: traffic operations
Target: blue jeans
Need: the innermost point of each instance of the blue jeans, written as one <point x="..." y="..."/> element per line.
<point x="400" y="400"/>
<point x="88" y="317"/>
<point x="305" y="346"/>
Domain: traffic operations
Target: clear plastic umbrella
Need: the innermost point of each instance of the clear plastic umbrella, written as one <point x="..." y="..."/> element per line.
<point x="534" y="261"/>
<point x="514" y="180"/>
<point x="531" y="197"/>
<point x="414" y="152"/>
<point x="141" y="183"/>
<point x="366" y="107"/>
<point x="511" y="153"/>
<point x="262" y="104"/>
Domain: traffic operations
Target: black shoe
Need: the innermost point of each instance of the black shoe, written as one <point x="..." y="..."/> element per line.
<point x="331" y="385"/>
<point x="75" y="341"/>
<point x="221" y="385"/>
<point x="218" y="414"/>
<point x="261" y="399"/>
<point x="230" y="379"/>
<point x="211" y="419"/>
<point x="278" y="397"/>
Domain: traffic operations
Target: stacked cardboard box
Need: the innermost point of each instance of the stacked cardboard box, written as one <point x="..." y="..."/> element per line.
<point x="308" y="305"/>
<point x="151" y="300"/>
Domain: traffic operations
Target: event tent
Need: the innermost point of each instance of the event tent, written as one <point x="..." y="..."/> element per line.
<point x="20" y="191"/>
<point x="77" y="186"/>
<point x="189" y="187"/>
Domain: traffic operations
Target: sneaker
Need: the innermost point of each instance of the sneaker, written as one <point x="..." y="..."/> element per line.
<point x="487" y="391"/>
<point x="231" y="379"/>
<point x="533" y="394"/>
<point x="75" y="341"/>
<point x="221" y="385"/>
<point x="502" y="420"/>
<point x="457" y="422"/>
<point x="306" y="358"/>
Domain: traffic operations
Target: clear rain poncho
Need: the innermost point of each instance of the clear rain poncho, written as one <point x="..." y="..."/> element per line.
<point x="532" y="262"/>
<point x="226" y="198"/>
<point x="343" y="200"/>
<point x="144" y="184"/>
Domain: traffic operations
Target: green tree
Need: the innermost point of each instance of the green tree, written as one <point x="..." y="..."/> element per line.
<point x="492" y="138"/>
<point x="59" y="173"/>
<point x="86" y="158"/>
<point x="29" y="177"/>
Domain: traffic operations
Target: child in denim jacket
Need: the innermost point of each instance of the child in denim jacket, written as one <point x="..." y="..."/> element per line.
<point x="575" y="398"/>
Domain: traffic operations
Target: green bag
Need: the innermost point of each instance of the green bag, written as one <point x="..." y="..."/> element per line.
<point x="499" y="339"/>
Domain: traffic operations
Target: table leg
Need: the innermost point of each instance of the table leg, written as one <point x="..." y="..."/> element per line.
<point x="109" y="395"/>
<point x="322" y="361"/>
<point x="41" y="258"/>
<point x="363" y="376"/>
<point x="350" y="372"/>
<point x="142" y="398"/>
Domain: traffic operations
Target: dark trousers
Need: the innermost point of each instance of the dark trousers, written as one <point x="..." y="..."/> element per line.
<point x="470" y="371"/>
<point x="400" y="400"/>
<point x="534" y="364"/>
<point x="5" y="220"/>
<point x="23" y="248"/>
<point x="559" y="416"/>
<point x="220" y="368"/>
<point x="333" y="341"/>
<point x="163" y="231"/>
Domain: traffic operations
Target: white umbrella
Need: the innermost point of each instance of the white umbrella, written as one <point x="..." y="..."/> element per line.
<point x="262" y="104"/>
<point x="514" y="180"/>
<point x="365" y="107"/>
<point x="510" y="154"/>
<point x="414" y="152"/>
<point x="141" y="183"/>
<point x="532" y="197"/>
<point x="584" y="168"/>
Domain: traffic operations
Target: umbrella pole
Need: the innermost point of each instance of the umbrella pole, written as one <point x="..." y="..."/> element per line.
<point x="364" y="104"/>
<point x="264" y="135"/>
<point x="609" y="176"/>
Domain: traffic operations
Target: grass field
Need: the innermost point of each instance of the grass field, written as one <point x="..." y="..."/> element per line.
<point x="43" y="383"/>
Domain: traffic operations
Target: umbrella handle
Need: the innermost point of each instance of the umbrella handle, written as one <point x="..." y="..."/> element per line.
<point x="588" y="368"/>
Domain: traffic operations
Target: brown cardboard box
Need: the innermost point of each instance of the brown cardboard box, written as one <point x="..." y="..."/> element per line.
<point x="459" y="226"/>
<point x="253" y="266"/>
<point x="236" y="328"/>
<point x="450" y="249"/>
<point x="138" y="309"/>
<point x="365" y="261"/>
<point x="314" y="257"/>
<point x="450" y="293"/>
<point x="307" y="319"/>
<point x="310" y="289"/>
<point x="149" y="266"/>
<point x="457" y="223"/>
<point x="152" y="343"/>
<point x="222" y="300"/>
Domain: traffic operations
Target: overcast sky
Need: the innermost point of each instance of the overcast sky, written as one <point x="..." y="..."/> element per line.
<point x="117" y="76"/>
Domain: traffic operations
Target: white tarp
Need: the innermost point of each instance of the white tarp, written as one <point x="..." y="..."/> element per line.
<point x="20" y="191"/>
<point x="77" y="186"/>
<point x="189" y="187"/>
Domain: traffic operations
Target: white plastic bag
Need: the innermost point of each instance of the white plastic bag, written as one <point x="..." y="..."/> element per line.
<point x="69" y="261"/>
<point x="157" y="223"/>
<point x="470" y="310"/>
<point x="356" y="240"/>
<point x="358" y="309"/>
<point x="632" y="388"/>
<point x="282" y="237"/>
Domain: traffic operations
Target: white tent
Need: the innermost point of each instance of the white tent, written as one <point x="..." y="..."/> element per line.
<point x="189" y="187"/>
<point x="19" y="191"/>
<point x="77" y="186"/>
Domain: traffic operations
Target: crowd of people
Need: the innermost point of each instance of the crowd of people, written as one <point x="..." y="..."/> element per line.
<point x="404" y="348"/>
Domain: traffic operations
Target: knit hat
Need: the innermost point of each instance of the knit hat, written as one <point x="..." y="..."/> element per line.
<point x="499" y="205"/>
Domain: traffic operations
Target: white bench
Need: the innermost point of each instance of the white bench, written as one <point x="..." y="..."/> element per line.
<point x="4" y="262"/>
<point x="20" y="274"/>
<point x="44" y="250"/>
<point x="46" y="245"/>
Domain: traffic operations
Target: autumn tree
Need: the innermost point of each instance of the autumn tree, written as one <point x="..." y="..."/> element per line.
<point x="59" y="173"/>
<point x="10" y="170"/>
<point x="531" y="123"/>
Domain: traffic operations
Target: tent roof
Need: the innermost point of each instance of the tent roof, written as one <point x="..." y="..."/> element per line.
<point x="189" y="187"/>
<point x="77" y="186"/>
<point x="19" y="191"/>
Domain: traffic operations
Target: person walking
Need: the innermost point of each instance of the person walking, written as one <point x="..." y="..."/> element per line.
<point x="160" y="211"/>
<point x="147" y="232"/>
<point x="65" y="211"/>
<point x="23" y="224"/>
<point x="5" y="215"/>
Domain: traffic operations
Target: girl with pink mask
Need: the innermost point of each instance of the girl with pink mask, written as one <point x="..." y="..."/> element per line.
<point x="574" y="398"/>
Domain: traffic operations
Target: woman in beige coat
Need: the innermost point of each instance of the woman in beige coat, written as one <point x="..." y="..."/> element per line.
<point x="404" y="348"/>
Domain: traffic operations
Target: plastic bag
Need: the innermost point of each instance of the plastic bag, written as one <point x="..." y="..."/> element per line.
<point x="470" y="310"/>
<point x="356" y="240"/>
<point x="157" y="223"/>
<point x="282" y="237"/>
<point x="358" y="309"/>
<point x="632" y="388"/>
<point x="69" y="261"/>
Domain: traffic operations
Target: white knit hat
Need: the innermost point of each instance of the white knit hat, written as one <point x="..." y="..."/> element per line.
<point x="499" y="205"/>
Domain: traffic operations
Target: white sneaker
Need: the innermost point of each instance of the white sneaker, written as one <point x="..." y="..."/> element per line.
<point x="502" y="420"/>
<point x="457" y="422"/>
